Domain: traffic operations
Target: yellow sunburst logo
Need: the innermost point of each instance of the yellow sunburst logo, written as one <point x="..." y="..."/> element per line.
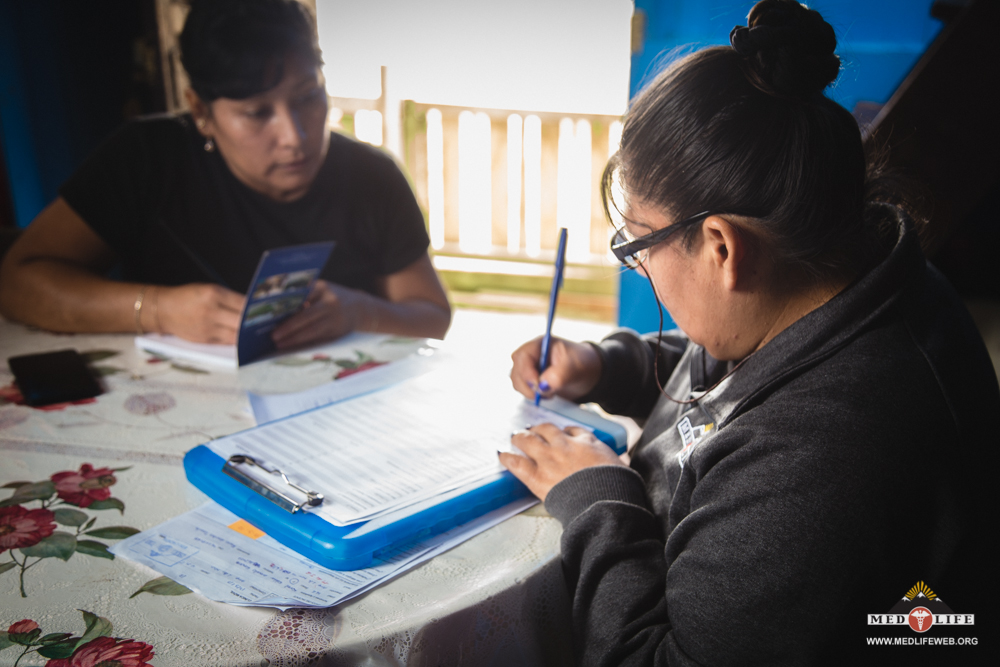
<point x="921" y="587"/>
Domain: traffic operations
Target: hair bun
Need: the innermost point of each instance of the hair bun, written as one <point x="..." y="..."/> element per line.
<point x="789" y="47"/>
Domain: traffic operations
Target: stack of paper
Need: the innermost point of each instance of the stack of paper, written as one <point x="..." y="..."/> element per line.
<point x="390" y="449"/>
<point x="213" y="552"/>
<point x="215" y="355"/>
<point x="376" y="458"/>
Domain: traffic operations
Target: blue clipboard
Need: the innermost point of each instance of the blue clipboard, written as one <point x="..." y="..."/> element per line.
<point x="360" y="545"/>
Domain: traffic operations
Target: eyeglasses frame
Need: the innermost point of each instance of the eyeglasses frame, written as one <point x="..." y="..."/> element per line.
<point x="625" y="252"/>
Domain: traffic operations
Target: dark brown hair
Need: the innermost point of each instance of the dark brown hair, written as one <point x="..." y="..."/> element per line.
<point x="746" y="130"/>
<point x="237" y="48"/>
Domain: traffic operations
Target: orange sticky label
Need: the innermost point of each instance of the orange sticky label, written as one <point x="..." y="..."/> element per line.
<point x="244" y="528"/>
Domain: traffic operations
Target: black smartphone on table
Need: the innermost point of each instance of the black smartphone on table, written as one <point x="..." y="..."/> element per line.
<point x="53" y="377"/>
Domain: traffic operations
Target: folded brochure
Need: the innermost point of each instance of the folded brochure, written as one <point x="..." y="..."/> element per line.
<point x="283" y="280"/>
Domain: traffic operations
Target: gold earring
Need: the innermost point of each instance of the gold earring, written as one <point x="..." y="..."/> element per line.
<point x="209" y="145"/>
<point x="200" y="123"/>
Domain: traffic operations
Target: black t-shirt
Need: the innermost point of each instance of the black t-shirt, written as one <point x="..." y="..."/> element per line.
<point x="175" y="214"/>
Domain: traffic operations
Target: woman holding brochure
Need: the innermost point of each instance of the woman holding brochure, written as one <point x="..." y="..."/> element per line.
<point x="187" y="204"/>
<point x="816" y="441"/>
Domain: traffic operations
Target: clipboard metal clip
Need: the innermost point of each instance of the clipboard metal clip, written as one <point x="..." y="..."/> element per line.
<point x="276" y="495"/>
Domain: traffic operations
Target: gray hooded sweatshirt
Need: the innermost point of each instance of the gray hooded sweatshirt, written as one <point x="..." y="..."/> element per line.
<point x="845" y="461"/>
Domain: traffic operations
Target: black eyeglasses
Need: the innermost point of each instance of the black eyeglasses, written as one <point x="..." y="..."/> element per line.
<point x="629" y="249"/>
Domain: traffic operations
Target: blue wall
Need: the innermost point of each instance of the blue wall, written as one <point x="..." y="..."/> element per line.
<point x="35" y="139"/>
<point x="71" y="71"/>
<point x="878" y="42"/>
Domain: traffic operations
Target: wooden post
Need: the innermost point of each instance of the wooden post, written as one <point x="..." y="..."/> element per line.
<point x="449" y="131"/>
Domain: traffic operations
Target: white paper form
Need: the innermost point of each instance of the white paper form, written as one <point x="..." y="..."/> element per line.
<point x="213" y="354"/>
<point x="270" y="407"/>
<point x="392" y="448"/>
<point x="199" y="550"/>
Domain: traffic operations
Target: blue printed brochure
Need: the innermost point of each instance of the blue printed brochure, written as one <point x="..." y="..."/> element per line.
<point x="279" y="288"/>
<point x="283" y="280"/>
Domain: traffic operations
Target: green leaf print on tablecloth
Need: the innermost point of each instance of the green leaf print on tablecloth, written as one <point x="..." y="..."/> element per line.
<point x="31" y="531"/>
<point x="162" y="586"/>
<point x="95" y="646"/>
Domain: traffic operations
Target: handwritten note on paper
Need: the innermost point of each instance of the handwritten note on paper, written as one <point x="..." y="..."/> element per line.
<point x="200" y="550"/>
<point x="385" y="450"/>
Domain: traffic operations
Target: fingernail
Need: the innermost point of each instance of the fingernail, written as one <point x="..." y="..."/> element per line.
<point x="531" y="385"/>
<point x="544" y="386"/>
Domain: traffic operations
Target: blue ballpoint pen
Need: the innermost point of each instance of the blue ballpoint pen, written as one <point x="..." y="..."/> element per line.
<point x="553" y="297"/>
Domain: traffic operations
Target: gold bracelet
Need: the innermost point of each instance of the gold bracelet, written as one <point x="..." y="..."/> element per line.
<point x="138" y="310"/>
<point x="156" y="311"/>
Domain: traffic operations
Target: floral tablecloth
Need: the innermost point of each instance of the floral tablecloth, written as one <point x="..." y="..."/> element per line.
<point x="76" y="478"/>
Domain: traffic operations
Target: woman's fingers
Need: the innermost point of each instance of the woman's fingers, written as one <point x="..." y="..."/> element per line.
<point x="541" y="443"/>
<point x="331" y="314"/>
<point x="303" y="325"/>
<point x="520" y="465"/>
<point x="526" y="360"/>
<point x="550" y="434"/>
<point x="228" y="321"/>
<point x="530" y="443"/>
<point x="524" y="369"/>
<point x="199" y="312"/>
<point x="525" y="470"/>
<point x="229" y="300"/>
<point x="223" y="314"/>
<point x="552" y="454"/>
<point x="573" y="370"/>
<point x="316" y="293"/>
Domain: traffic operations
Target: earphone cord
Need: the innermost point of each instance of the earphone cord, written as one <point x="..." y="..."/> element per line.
<point x="656" y="358"/>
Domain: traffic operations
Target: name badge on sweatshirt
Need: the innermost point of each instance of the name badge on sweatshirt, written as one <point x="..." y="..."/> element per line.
<point x="690" y="436"/>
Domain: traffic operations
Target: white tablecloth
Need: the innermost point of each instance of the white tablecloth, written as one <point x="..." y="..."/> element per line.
<point x="497" y="599"/>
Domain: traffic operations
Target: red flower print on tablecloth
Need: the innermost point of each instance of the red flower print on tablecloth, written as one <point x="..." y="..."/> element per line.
<point x="23" y="632"/>
<point x="362" y="362"/>
<point x="20" y="527"/>
<point x="22" y="627"/>
<point x="94" y="647"/>
<point x="28" y="536"/>
<point x="361" y="367"/>
<point x="12" y="394"/>
<point x="85" y="486"/>
<point x="347" y="366"/>
<point x="108" y="651"/>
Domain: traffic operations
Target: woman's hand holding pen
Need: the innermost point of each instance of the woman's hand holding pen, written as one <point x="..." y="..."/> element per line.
<point x="551" y="454"/>
<point x="329" y="312"/>
<point x="574" y="369"/>
<point x="201" y="313"/>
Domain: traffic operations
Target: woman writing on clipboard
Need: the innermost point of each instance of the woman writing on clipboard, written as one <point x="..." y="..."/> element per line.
<point x="819" y="438"/>
<point x="187" y="204"/>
